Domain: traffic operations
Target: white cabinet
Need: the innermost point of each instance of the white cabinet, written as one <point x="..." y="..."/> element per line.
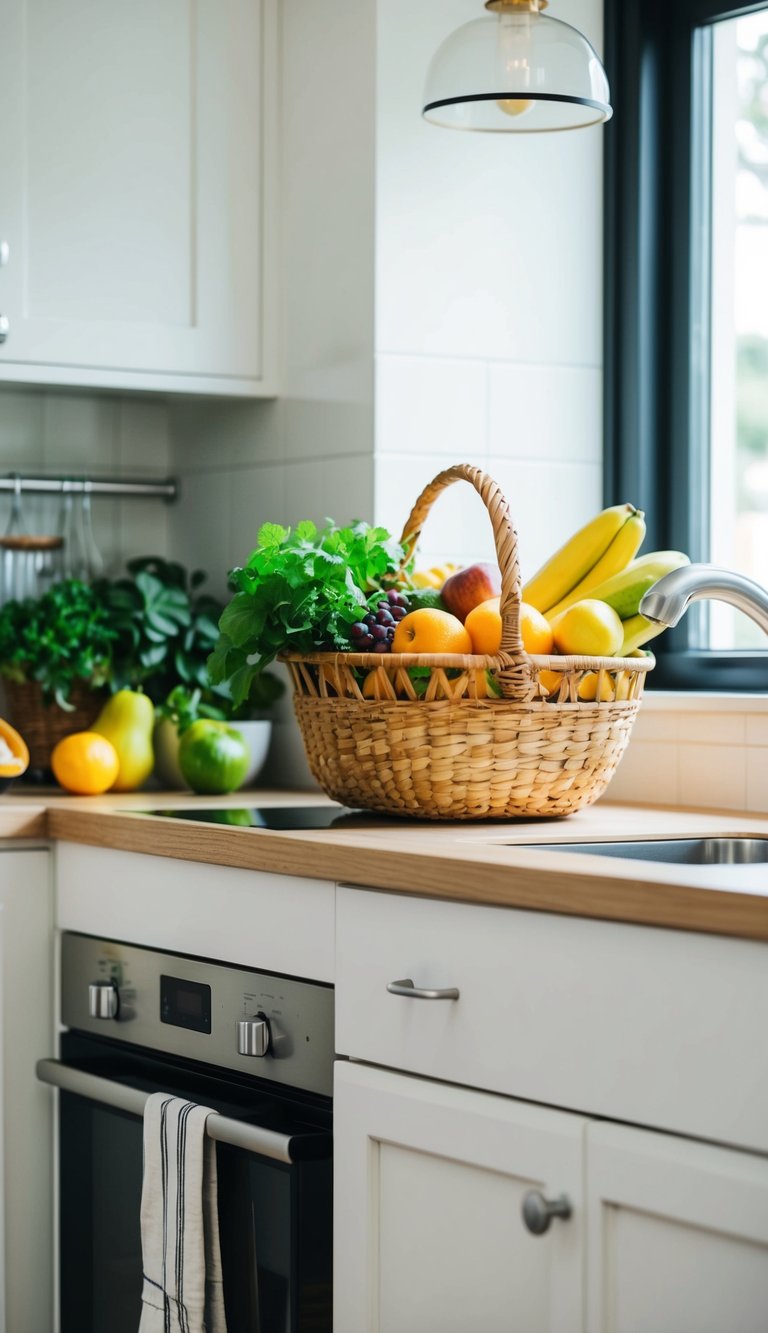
<point x="677" y="1235"/>
<point x="252" y="918"/>
<point x="136" y="183"/>
<point x="429" y="1235"/>
<point x="26" y="994"/>
<point x="652" y="1027"/>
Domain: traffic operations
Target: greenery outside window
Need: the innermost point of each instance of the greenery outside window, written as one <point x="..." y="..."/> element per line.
<point x="686" y="305"/>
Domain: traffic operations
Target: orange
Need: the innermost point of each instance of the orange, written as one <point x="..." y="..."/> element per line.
<point x="431" y="631"/>
<point x="484" y="627"/>
<point x="85" y="763"/>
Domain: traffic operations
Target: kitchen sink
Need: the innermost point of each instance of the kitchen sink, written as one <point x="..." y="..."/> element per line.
<point x="728" y="851"/>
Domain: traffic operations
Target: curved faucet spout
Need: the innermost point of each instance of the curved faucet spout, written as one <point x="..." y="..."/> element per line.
<point x="666" y="601"/>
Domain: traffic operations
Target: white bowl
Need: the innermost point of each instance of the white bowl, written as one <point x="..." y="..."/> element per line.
<point x="256" y="736"/>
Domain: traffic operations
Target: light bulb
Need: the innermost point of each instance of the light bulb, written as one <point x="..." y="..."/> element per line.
<point x="515" y="106"/>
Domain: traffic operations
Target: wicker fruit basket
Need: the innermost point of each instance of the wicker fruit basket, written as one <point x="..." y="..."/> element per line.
<point x="452" y="752"/>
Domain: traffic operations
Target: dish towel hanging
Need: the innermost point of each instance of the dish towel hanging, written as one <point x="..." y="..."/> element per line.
<point x="182" y="1290"/>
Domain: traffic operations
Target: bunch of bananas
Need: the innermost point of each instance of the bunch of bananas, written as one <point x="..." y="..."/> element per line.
<point x="599" y="563"/>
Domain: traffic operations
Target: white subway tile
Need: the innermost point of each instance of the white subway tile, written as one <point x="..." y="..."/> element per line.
<point x="757" y="780"/>
<point x="258" y="496"/>
<point x="201" y="526"/>
<point x="458" y="523"/>
<point x="80" y="433"/>
<point x="712" y="728"/>
<point x="650" y="726"/>
<point x="546" y="413"/>
<point x="21" y="430"/>
<point x="647" y="774"/>
<point x="145" y="527"/>
<point x="143" y="436"/>
<point x="713" y="776"/>
<point x="336" y="488"/>
<point x="757" y="729"/>
<point x="430" y="405"/>
<point x="547" y="504"/>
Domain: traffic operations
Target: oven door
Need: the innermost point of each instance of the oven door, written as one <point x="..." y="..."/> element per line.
<point x="275" y="1190"/>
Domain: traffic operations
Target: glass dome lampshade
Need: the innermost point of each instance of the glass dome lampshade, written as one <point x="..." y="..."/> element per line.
<point x="516" y="70"/>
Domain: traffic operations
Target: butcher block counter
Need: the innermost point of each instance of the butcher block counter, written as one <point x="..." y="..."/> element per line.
<point x="485" y="863"/>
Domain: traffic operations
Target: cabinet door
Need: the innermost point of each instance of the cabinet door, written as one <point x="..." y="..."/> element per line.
<point x="428" y="1233"/>
<point x="26" y="944"/>
<point x="677" y="1235"/>
<point x="132" y="164"/>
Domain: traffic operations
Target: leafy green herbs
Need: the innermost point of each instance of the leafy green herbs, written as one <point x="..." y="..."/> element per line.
<point x="164" y="627"/>
<point x="57" y="639"/>
<point x="300" y="591"/>
<point x="152" y="630"/>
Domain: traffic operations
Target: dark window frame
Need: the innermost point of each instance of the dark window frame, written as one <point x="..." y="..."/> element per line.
<point x="657" y="56"/>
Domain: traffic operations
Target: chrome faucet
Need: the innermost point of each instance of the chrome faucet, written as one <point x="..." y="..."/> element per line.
<point x="666" y="601"/>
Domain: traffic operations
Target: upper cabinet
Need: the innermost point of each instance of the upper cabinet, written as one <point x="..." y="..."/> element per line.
<point x="137" y="200"/>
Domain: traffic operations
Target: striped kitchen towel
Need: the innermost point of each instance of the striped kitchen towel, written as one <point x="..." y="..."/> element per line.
<point x="183" y="1290"/>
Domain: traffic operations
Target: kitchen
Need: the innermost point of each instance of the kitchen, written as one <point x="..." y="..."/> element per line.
<point x="410" y="317"/>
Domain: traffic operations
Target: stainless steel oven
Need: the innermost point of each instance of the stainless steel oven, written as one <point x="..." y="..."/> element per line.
<point x="258" y="1049"/>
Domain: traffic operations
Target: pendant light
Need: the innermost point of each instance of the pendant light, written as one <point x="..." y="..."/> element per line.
<point x="516" y="70"/>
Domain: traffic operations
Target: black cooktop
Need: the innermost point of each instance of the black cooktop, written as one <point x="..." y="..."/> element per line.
<point x="285" y="817"/>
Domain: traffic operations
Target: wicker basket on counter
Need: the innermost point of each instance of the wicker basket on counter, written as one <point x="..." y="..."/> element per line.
<point x="42" y="722"/>
<point x="452" y="752"/>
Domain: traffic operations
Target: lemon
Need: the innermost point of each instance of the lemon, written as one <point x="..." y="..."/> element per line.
<point x="588" y="629"/>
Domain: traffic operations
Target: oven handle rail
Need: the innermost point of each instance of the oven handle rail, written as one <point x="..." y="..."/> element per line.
<point x="251" y="1138"/>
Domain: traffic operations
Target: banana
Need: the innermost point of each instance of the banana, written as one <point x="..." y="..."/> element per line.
<point x="568" y="566"/>
<point x="622" y="549"/>
<point x="625" y="591"/>
<point x="637" y="631"/>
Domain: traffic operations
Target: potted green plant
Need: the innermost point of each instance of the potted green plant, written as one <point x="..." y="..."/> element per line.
<point x="166" y="626"/>
<point x="55" y="662"/>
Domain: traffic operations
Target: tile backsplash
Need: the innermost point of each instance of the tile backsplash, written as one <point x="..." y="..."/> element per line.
<point x="55" y="433"/>
<point x="709" y="751"/>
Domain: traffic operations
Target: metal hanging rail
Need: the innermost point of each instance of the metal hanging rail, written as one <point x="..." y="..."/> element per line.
<point x="167" y="489"/>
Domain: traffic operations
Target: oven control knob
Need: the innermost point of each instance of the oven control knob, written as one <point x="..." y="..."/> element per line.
<point x="253" y="1036"/>
<point x="103" y="999"/>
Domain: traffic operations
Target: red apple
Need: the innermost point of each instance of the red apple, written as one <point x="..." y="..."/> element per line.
<point x="465" y="590"/>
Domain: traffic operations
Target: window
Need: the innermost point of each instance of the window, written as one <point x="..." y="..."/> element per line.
<point x="686" y="314"/>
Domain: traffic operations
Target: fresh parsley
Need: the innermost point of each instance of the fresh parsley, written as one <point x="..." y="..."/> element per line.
<point x="300" y="591"/>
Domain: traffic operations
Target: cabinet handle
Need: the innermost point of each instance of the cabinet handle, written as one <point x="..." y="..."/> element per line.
<point x="5" y="326"/>
<point x="5" y="253"/>
<point x="538" y="1211"/>
<point x="411" y="992"/>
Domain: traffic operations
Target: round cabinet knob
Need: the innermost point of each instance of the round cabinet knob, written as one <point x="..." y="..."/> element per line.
<point x="103" y="999"/>
<point x="253" y="1036"/>
<point x="538" y="1211"/>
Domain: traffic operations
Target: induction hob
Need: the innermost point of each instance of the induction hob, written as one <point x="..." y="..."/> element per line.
<point x="280" y="817"/>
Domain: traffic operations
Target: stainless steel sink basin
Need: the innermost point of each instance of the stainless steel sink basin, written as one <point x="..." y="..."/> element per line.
<point x="732" y="851"/>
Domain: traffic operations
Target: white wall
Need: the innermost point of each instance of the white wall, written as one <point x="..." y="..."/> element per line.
<point x="489" y="302"/>
<point x="309" y="454"/>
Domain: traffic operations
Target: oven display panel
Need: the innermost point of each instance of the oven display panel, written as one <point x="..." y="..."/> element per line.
<point x="185" y="1004"/>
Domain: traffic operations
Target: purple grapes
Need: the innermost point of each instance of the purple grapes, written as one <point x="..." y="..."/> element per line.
<point x="376" y="630"/>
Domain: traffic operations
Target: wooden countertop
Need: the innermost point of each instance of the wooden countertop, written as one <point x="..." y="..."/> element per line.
<point x="480" y="863"/>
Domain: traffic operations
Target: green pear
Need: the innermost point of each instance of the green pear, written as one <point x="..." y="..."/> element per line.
<point x="127" y="720"/>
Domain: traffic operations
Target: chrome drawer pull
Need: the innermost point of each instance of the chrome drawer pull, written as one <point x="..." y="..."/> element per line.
<point x="538" y="1211"/>
<point x="411" y="992"/>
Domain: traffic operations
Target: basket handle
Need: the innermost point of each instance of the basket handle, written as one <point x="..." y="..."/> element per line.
<point x="515" y="671"/>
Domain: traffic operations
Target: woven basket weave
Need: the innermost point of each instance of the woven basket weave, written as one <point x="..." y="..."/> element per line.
<point x="43" y="724"/>
<point x="453" y="752"/>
